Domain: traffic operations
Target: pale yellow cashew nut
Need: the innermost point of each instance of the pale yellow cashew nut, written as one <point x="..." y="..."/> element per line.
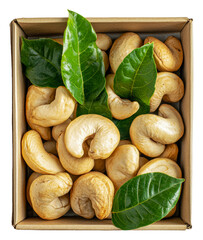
<point x="32" y="177"/>
<point x="92" y="194"/>
<point x="50" y="147"/>
<point x="104" y="132"/>
<point x="103" y="41"/>
<point x="36" y="157"/>
<point x="59" y="129"/>
<point x="37" y="96"/>
<point x="149" y="132"/>
<point x="168" y="55"/>
<point x="49" y="195"/>
<point x="120" y="108"/>
<point x="171" y="152"/>
<point x="168" y="87"/>
<point x="123" y="164"/>
<point x="106" y="60"/>
<point x="57" y="111"/>
<point x="121" y="47"/>
<point x="73" y="165"/>
<point x="163" y="165"/>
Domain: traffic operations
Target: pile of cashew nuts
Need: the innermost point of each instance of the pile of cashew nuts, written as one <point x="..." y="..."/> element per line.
<point x="80" y="162"/>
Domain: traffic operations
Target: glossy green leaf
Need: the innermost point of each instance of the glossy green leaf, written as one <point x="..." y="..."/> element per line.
<point x="135" y="80"/>
<point x="136" y="76"/>
<point x="145" y="199"/>
<point x="98" y="105"/>
<point x="82" y="64"/>
<point x="42" y="62"/>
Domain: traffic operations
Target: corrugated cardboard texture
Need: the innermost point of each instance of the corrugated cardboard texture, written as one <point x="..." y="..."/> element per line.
<point x="55" y="27"/>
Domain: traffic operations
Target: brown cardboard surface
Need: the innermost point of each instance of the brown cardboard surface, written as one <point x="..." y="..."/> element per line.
<point x="76" y="223"/>
<point x="19" y="127"/>
<point x="54" y="27"/>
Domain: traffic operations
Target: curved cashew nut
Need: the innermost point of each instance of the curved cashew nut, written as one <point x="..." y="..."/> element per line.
<point x="35" y="97"/>
<point x="73" y="165"/>
<point x="168" y="55"/>
<point x="59" y="129"/>
<point x="171" y="152"/>
<point x="50" y="147"/>
<point x="122" y="46"/>
<point x="120" y="108"/>
<point x="99" y="164"/>
<point x="103" y="41"/>
<point x="92" y="194"/>
<point x="105" y="135"/>
<point x="169" y="87"/>
<point x="32" y="177"/>
<point x="57" y="111"/>
<point x="48" y="195"/>
<point x="106" y="60"/>
<point x="149" y="132"/>
<point x="122" y="165"/>
<point x="163" y="165"/>
<point x="36" y="157"/>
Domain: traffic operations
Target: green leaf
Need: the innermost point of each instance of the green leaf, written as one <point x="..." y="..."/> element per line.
<point x="82" y="64"/>
<point x="135" y="79"/>
<point x="136" y="76"/>
<point x="42" y="62"/>
<point x="145" y="199"/>
<point x="96" y="106"/>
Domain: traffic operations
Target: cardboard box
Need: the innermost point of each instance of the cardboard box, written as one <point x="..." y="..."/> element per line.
<point x="54" y="27"/>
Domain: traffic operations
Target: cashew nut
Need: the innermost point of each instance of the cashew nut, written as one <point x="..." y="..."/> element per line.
<point x="36" y="157"/>
<point x="169" y="87"/>
<point x="59" y="129"/>
<point x="35" y="97"/>
<point x="50" y="147"/>
<point x="168" y="55"/>
<point x="124" y="142"/>
<point x="120" y="108"/>
<point x="103" y="41"/>
<point x="106" y="60"/>
<point x="48" y="195"/>
<point x="122" y="46"/>
<point x="104" y="132"/>
<point x="163" y="165"/>
<point x="142" y="161"/>
<point x="149" y="132"/>
<point x="122" y="165"/>
<point x="57" y="111"/>
<point x="73" y="165"/>
<point x="32" y="177"/>
<point x="99" y="165"/>
<point x="92" y="194"/>
<point x="171" y="152"/>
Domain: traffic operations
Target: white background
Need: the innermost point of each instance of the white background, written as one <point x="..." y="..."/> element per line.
<point x="104" y="8"/>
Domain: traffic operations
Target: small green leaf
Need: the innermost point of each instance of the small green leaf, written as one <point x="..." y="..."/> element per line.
<point x="42" y="62"/>
<point x="145" y="199"/>
<point x="82" y="64"/>
<point x="135" y="80"/>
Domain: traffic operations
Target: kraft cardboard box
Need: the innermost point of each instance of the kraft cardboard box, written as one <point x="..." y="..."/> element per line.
<point x="54" y="27"/>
